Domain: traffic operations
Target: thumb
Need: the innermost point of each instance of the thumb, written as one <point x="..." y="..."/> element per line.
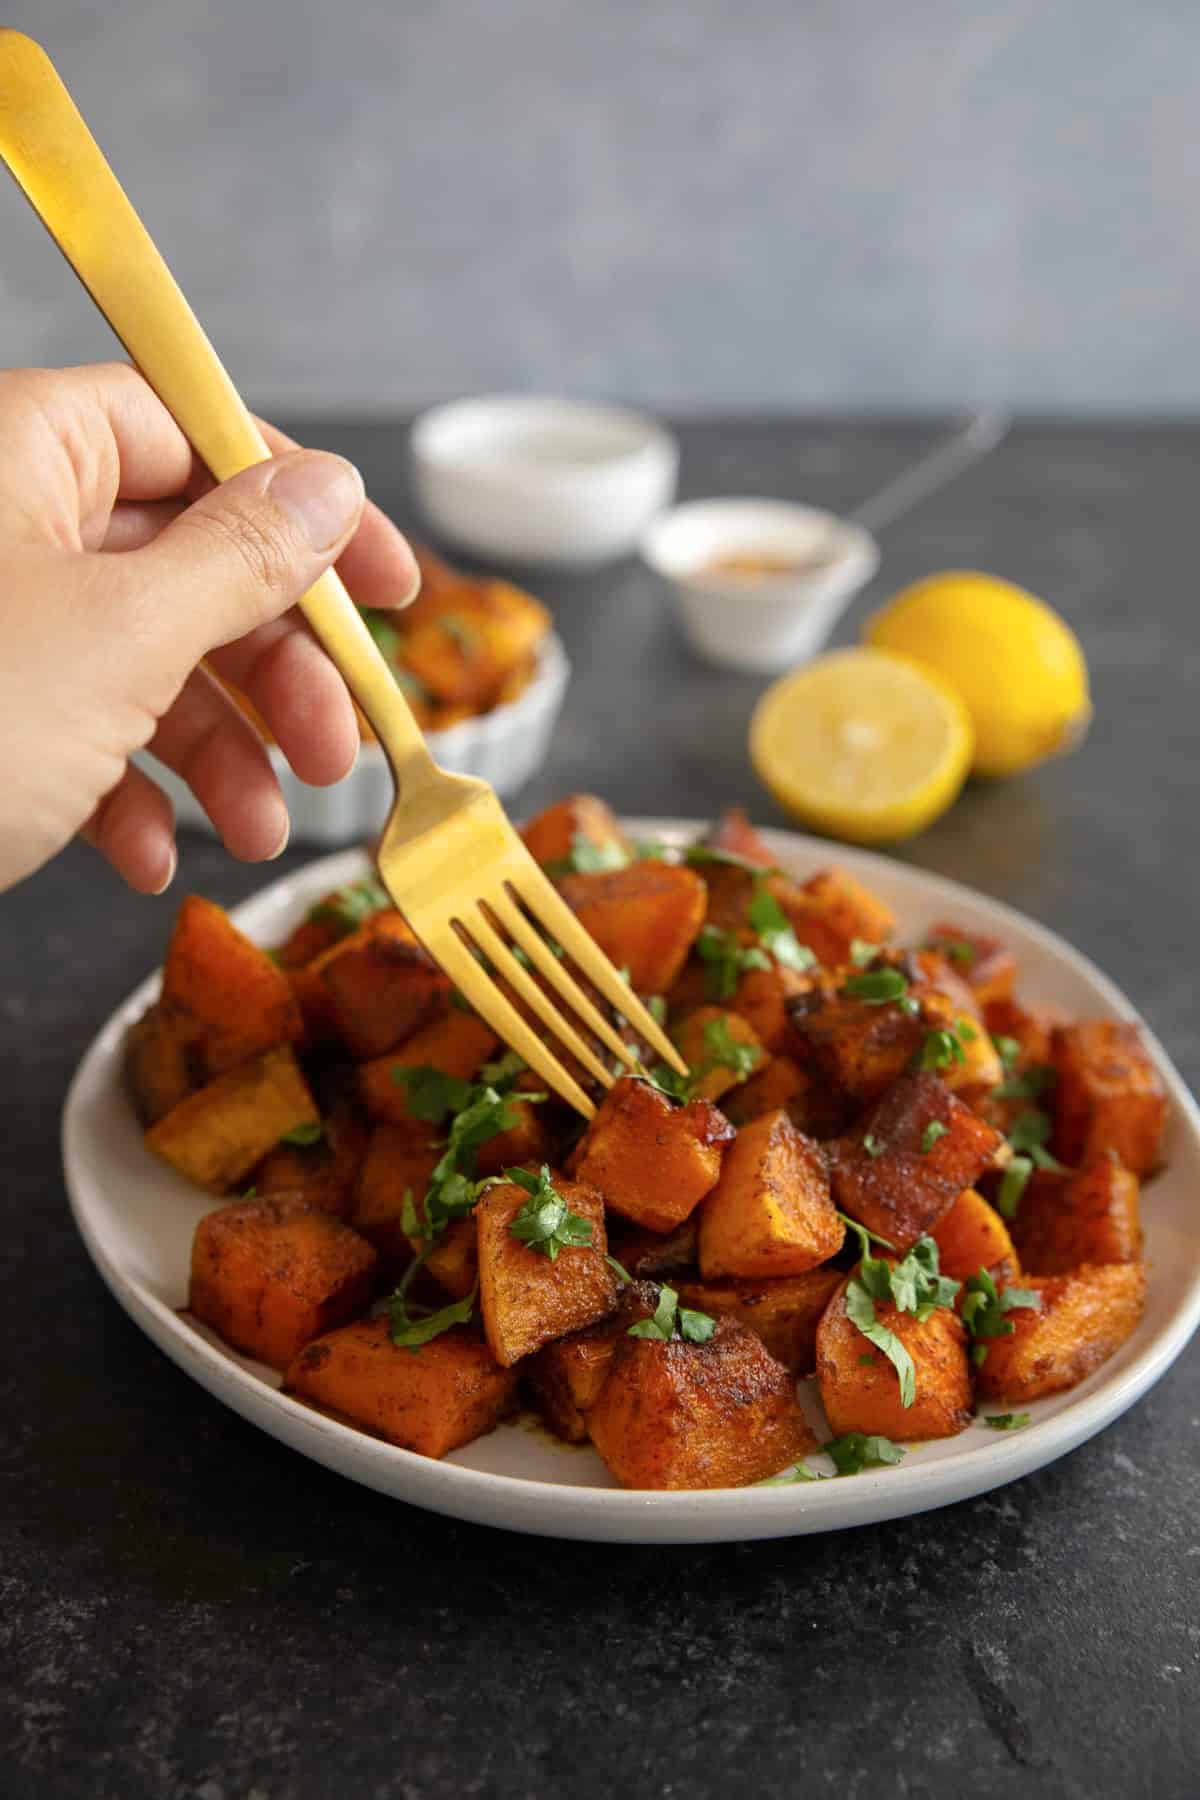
<point x="251" y="548"/>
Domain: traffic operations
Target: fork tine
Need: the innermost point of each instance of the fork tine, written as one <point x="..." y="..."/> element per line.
<point x="548" y="905"/>
<point x="448" y="950"/>
<point x="505" y="963"/>
<point x="551" y="966"/>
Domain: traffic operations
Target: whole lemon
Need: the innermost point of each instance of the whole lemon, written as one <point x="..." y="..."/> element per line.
<point x="1017" y="666"/>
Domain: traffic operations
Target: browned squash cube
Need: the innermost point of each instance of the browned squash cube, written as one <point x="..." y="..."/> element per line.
<point x="771" y="1212"/>
<point x="778" y="1084"/>
<point x="860" y="1389"/>
<point x="973" y="1236"/>
<point x="681" y="1415"/>
<point x="232" y="992"/>
<point x="734" y="833"/>
<point x="691" y="1039"/>
<point x="1030" y="1028"/>
<point x="526" y="1140"/>
<point x="987" y="966"/>
<point x="567" y="1376"/>
<point x="857" y="1047"/>
<point x="784" y="1312"/>
<point x="1088" y="1216"/>
<point x="645" y="918"/>
<point x="948" y="1003"/>
<point x="307" y="978"/>
<point x="464" y="651"/>
<point x="161" y="1058"/>
<point x="325" y="1172"/>
<point x="551" y="837"/>
<point x="400" y="1160"/>
<point x="897" y="1177"/>
<point x="455" y="1044"/>
<point x="831" y="910"/>
<point x="526" y="1297"/>
<point x="271" y="1275"/>
<point x="216" y="1135"/>
<point x="382" y="989"/>
<point x="431" y="1400"/>
<point x="1109" y="1095"/>
<point x="652" y="1252"/>
<point x="653" y="1161"/>
<point x="1084" y="1319"/>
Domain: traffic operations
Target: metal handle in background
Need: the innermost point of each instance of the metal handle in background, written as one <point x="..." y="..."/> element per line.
<point x="64" y="175"/>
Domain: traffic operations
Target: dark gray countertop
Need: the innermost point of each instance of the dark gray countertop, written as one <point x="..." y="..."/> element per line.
<point x="192" y="1612"/>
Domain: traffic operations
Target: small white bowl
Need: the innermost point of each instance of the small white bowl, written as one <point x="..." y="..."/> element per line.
<point x="767" y="622"/>
<point x="537" y="480"/>
<point x="505" y="747"/>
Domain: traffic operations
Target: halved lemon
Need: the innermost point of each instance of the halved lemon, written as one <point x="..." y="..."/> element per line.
<point x="862" y="745"/>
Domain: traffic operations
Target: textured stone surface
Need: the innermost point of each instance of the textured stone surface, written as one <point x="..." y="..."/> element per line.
<point x="191" y="1612"/>
<point x="698" y="204"/>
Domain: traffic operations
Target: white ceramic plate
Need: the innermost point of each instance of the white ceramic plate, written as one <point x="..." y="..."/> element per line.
<point x="137" y="1220"/>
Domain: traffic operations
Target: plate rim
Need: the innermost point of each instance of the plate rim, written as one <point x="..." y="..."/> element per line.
<point x="599" y="1513"/>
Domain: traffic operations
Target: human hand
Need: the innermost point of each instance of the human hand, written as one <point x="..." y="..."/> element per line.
<point x="124" y="567"/>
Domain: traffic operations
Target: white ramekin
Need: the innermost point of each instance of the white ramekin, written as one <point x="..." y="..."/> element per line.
<point x="505" y="747"/>
<point x="770" y="623"/>
<point x="530" y="479"/>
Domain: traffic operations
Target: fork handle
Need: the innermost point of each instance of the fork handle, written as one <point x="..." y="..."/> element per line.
<point x="67" y="180"/>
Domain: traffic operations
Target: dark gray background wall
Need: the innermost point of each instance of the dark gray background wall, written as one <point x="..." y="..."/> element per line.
<point x="732" y="203"/>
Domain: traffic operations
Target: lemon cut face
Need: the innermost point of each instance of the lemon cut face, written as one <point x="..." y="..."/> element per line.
<point x="1018" y="666"/>
<point x="862" y="745"/>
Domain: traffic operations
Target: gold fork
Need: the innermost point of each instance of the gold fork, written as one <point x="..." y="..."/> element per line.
<point x="450" y="859"/>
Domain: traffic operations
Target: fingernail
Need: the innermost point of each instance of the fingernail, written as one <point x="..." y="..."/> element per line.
<point x="169" y="877"/>
<point x="324" y="495"/>
<point x="414" y="586"/>
<point x="283" y="842"/>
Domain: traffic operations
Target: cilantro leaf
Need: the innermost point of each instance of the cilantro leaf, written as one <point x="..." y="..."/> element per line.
<point x="857" y="1450"/>
<point x="697" y="855"/>
<point x="662" y="1326"/>
<point x="932" y="1132"/>
<point x="432" y="1094"/>
<point x="860" y="1310"/>
<point x="586" y="858"/>
<point x="1028" y="1135"/>
<point x="984" y="1309"/>
<point x="1013" y="1183"/>
<point x="872" y="1145"/>
<point x="351" y="906"/>
<point x="801" y="1472"/>
<point x="1030" y="1085"/>
<point x="726" y="961"/>
<point x="940" y="1050"/>
<point x="303" y="1137"/>
<point x="775" y="933"/>
<point x="503" y="1072"/>
<point x="622" y="1274"/>
<point x="410" y="1331"/>
<point x="545" y="1222"/>
<point x="862" y="954"/>
<point x="876" y="986"/>
<point x="1008" y="1421"/>
<point x="956" y="950"/>
<point x="696" y="1327"/>
<point x="724" y="1051"/>
<point x="913" y="1285"/>
<point x="1008" y="1049"/>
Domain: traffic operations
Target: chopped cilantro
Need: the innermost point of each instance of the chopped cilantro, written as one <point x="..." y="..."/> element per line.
<point x="985" y="1307"/>
<point x="387" y="638"/>
<point x="726" y="961"/>
<point x="1030" y="1085"/>
<point x="303" y="1137"/>
<point x="857" y="1451"/>
<point x="622" y="1274"/>
<point x="908" y="1003"/>
<point x="1008" y="1049"/>
<point x="775" y="933"/>
<point x="651" y="851"/>
<point x="587" y="858"/>
<point x="695" y="1327"/>
<point x="462" y="633"/>
<point x="1013" y="1183"/>
<point x="503" y="1072"/>
<point x="1008" y="1421"/>
<point x="862" y="954"/>
<point x="351" y="906"/>
<point x="860" y="1310"/>
<point x="876" y="986"/>
<point x="412" y="1329"/>
<point x="913" y="1285"/>
<point x="656" y="1006"/>
<point x="697" y="855"/>
<point x="545" y="1222"/>
<point x="1028" y="1135"/>
<point x="932" y="1132"/>
<point x="954" y="950"/>
<point x="940" y="1050"/>
<point x="432" y="1094"/>
<point x="873" y="1146"/>
<point x="723" y="1051"/>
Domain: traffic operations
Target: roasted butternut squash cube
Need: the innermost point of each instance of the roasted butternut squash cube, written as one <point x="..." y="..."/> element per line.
<point x="580" y="818"/>
<point x="525" y="1296"/>
<point x="453" y="1260"/>
<point x="896" y="1175"/>
<point x="567" y="1376"/>
<point x="325" y="1172"/>
<point x="525" y="1140"/>
<point x="761" y="997"/>
<point x="654" y="1253"/>
<point x="216" y="1135"/>
<point x="1084" y="1319"/>
<point x="455" y="1044"/>
<point x="691" y="1035"/>
<point x="948" y="1003"/>
<point x="777" y="1084"/>
<point x="973" y="1236"/>
<point x="161" y="1058"/>
<point x="681" y="1415"/>
<point x="399" y="1161"/>
<point x="854" y="1045"/>
<point x="270" y="1275"/>
<point x="1109" y="1095"/>
<point x="229" y="989"/>
<point x="860" y="1389"/>
<point x="1090" y="1215"/>
<point x="645" y="918"/>
<point x="1030" y="1028"/>
<point x="307" y="978"/>
<point x="653" y="1161"/>
<point x="785" y="1312"/>
<point x="463" y="652"/>
<point x="771" y="1212"/>
<point x="987" y="966"/>
<point x="831" y="909"/>
<point x="432" y="1400"/>
<point x="734" y="833"/>
<point x="380" y="988"/>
